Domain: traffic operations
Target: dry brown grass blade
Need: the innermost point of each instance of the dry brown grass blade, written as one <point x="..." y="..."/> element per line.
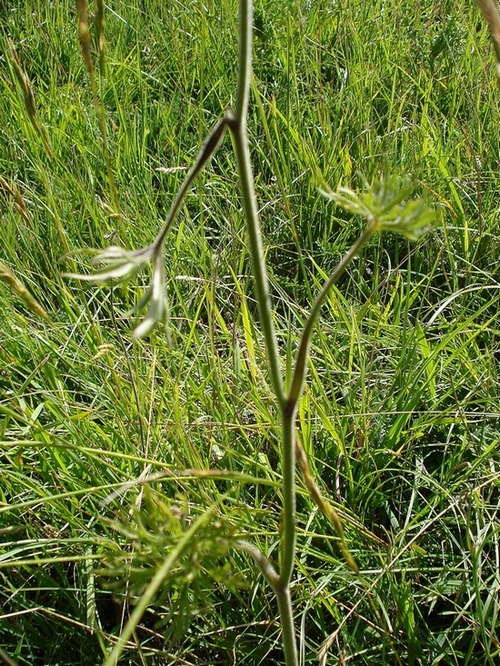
<point x="327" y="509"/>
<point x="85" y="41"/>
<point x="24" y="82"/>
<point x="491" y="14"/>
<point x="7" y="276"/>
<point x="335" y="516"/>
<point x="101" y="44"/>
<point x="29" y="98"/>
<point x="84" y="35"/>
<point x="13" y="191"/>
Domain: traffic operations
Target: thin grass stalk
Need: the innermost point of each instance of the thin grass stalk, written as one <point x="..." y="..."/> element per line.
<point x="15" y="284"/>
<point x="11" y="189"/>
<point x="101" y="44"/>
<point x="29" y="99"/>
<point x="281" y="185"/>
<point x="40" y="129"/>
<point x="207" y="151"/>
<point x="84" y="34"/>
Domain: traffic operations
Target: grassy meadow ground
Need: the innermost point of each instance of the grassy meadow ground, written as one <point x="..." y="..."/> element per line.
<point x="400" y="417"/>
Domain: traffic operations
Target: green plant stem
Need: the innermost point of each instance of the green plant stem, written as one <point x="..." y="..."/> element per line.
<point x="207" y="151"/>
<point x="240" y="141"/>
<point x="287" y="625"/>
<point x="238" y="128"/>
<point x="265" y="566"/>
<point x="289" y="413"/>
<point x="244" y="60"/>
<point x="300" y="367"/>
<point x="289" y="501"/>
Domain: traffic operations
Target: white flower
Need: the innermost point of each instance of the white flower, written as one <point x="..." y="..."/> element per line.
<point x="158" y="311"/>
<point x="119" y="265"/>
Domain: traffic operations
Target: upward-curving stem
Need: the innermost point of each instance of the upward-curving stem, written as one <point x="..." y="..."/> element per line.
<point x="300" y="367"/>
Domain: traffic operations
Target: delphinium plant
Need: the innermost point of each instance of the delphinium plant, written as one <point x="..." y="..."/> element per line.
<point x="384" y="205"/>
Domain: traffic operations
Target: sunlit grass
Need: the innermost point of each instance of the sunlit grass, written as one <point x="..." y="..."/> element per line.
<point x="400" y="418"/>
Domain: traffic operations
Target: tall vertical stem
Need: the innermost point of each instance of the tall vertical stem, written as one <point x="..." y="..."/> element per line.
<point x="238" y="128"/>
<point x="244" y="59"/>
<point x="287" y="626"/>
<point x="288" y="468"/>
